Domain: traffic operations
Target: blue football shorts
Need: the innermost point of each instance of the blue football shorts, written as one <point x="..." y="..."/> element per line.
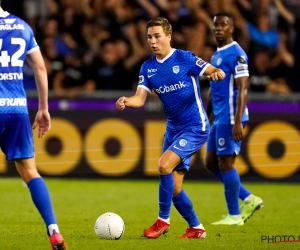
<point x="185" y="144"/>
<point x="16" y="138"/>
<point x="221" y="140"/>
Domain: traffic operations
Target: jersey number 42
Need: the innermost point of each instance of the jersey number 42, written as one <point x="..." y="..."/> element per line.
<point x="14" y="59"/>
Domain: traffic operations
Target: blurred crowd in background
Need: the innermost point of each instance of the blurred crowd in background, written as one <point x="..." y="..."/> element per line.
<point x="91" y="45"/>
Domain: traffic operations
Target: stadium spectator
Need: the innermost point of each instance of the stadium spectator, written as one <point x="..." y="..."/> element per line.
<point x="35" y="13"/>
<point x="50" y="30"/>
<point x="263" y="38"/>
<point x="84" y="24"/>
<point x="297" y="53"/>
<point x="283" y="63"/>
<point x="263" y="79"/>
<point x="108" y="71"/>
<point x="178" y="15"/>
<point x="74" y="79"/>
<point x="53" y="60"/>
<point x="260" y="70"/>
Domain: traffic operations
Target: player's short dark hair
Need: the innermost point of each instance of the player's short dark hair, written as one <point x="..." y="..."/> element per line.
<point x="227" y="14"/>
<point x="161" y="21"/>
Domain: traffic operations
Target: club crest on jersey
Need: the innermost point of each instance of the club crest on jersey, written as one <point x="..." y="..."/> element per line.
<point x="182" y="142"/>
<point x="219" y="61"/>
<point x="176" y="69"/>
<point x="221" y="141"/>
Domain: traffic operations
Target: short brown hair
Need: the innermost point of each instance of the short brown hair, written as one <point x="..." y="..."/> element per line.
<point x="163" y="22"/>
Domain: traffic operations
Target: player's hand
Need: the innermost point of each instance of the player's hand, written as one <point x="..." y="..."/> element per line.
<point x="120" y="103"/>
<point x="216" y="76"/>
<point x="237" y="131"/>
<point x="43" y="121"/>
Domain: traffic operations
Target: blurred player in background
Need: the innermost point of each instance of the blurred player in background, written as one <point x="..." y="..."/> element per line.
<point x="173" y="75"/>
<point x="17" y="43"/>
<point x="227" y="101"/>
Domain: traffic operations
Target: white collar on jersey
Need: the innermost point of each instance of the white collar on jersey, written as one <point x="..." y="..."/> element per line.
<point x="227" y="46"/>
<point x="4" y="14"/>
<point x="162" y="60"/>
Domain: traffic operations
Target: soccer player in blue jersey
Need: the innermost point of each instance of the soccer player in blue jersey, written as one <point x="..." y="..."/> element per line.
<point x="227" y="101"/>
<point x="173" y="75"/>
<point x="17" y="43"/>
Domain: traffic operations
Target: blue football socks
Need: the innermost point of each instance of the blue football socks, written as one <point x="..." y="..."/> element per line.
<point x="184" y="206"/>
<point x="41" y="198"/>
<point x="231" y="180"/>
<point x="166" y="190"/>
<point x="243" y="193"/>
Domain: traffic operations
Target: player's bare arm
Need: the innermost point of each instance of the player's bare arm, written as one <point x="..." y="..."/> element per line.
<point x="42" y="119"/>
<point x="242" y="84"/>
<point x="136" y="101"/>
<point x="214" y="74"/>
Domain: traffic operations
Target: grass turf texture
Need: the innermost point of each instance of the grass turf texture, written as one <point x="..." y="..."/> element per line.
<point x="78" y="203"/>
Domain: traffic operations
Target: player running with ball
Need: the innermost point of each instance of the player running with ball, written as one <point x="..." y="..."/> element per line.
<point x="173" y="75"/>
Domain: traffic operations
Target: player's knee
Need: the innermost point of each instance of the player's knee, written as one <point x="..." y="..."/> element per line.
<point x="226" y="163"/>
<point x="225" y="167"/>
<point x="164" y="168"/>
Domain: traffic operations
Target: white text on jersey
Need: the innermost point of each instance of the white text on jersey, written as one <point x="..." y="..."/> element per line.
<point x="13" y="102"/>
<point x="152" y="70"/>
<point x="166" y="89"/>
<point x="11" y="76"/>
<point x="12" y="27"/>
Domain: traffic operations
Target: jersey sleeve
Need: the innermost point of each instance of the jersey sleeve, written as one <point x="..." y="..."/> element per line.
<point x="143" y="79"/>
<point x="240" y="65"/>
<point x="197" y="66"/>
<point x="32" y="44"/>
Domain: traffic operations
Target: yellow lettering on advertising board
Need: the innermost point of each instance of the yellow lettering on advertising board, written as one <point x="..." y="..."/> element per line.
<point x="154" y="136"/>
<point x="261" y="160"/>
<point x="130" y="147"/>
<point x="69" y="156"/>
<point x="3" y="166"/>
<point x="129" y="155"/>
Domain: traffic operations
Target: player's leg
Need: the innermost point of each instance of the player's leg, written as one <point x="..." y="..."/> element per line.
<point x="39" y="192"/>
<point x="226" y="149"/>
<point x="166" y="164"/>
<point x="41" y="198"/>
<point x="251" y="203"/>
<point x="19" y="147"/>
<point x="231" y="180"/>
<point x="212" y="162"/>
<point x="184" y="206"/>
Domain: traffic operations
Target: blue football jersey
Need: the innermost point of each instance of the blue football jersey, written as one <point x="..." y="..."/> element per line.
<point x="234" y="62"/>
<point x="175" y="80"/>
<point x="16" y="41"/>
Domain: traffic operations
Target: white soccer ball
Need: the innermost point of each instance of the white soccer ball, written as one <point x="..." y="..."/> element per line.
<point x="109" y="226"/>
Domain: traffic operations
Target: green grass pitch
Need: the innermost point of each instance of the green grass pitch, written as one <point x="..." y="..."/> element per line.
<point x="78" y="203"/>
